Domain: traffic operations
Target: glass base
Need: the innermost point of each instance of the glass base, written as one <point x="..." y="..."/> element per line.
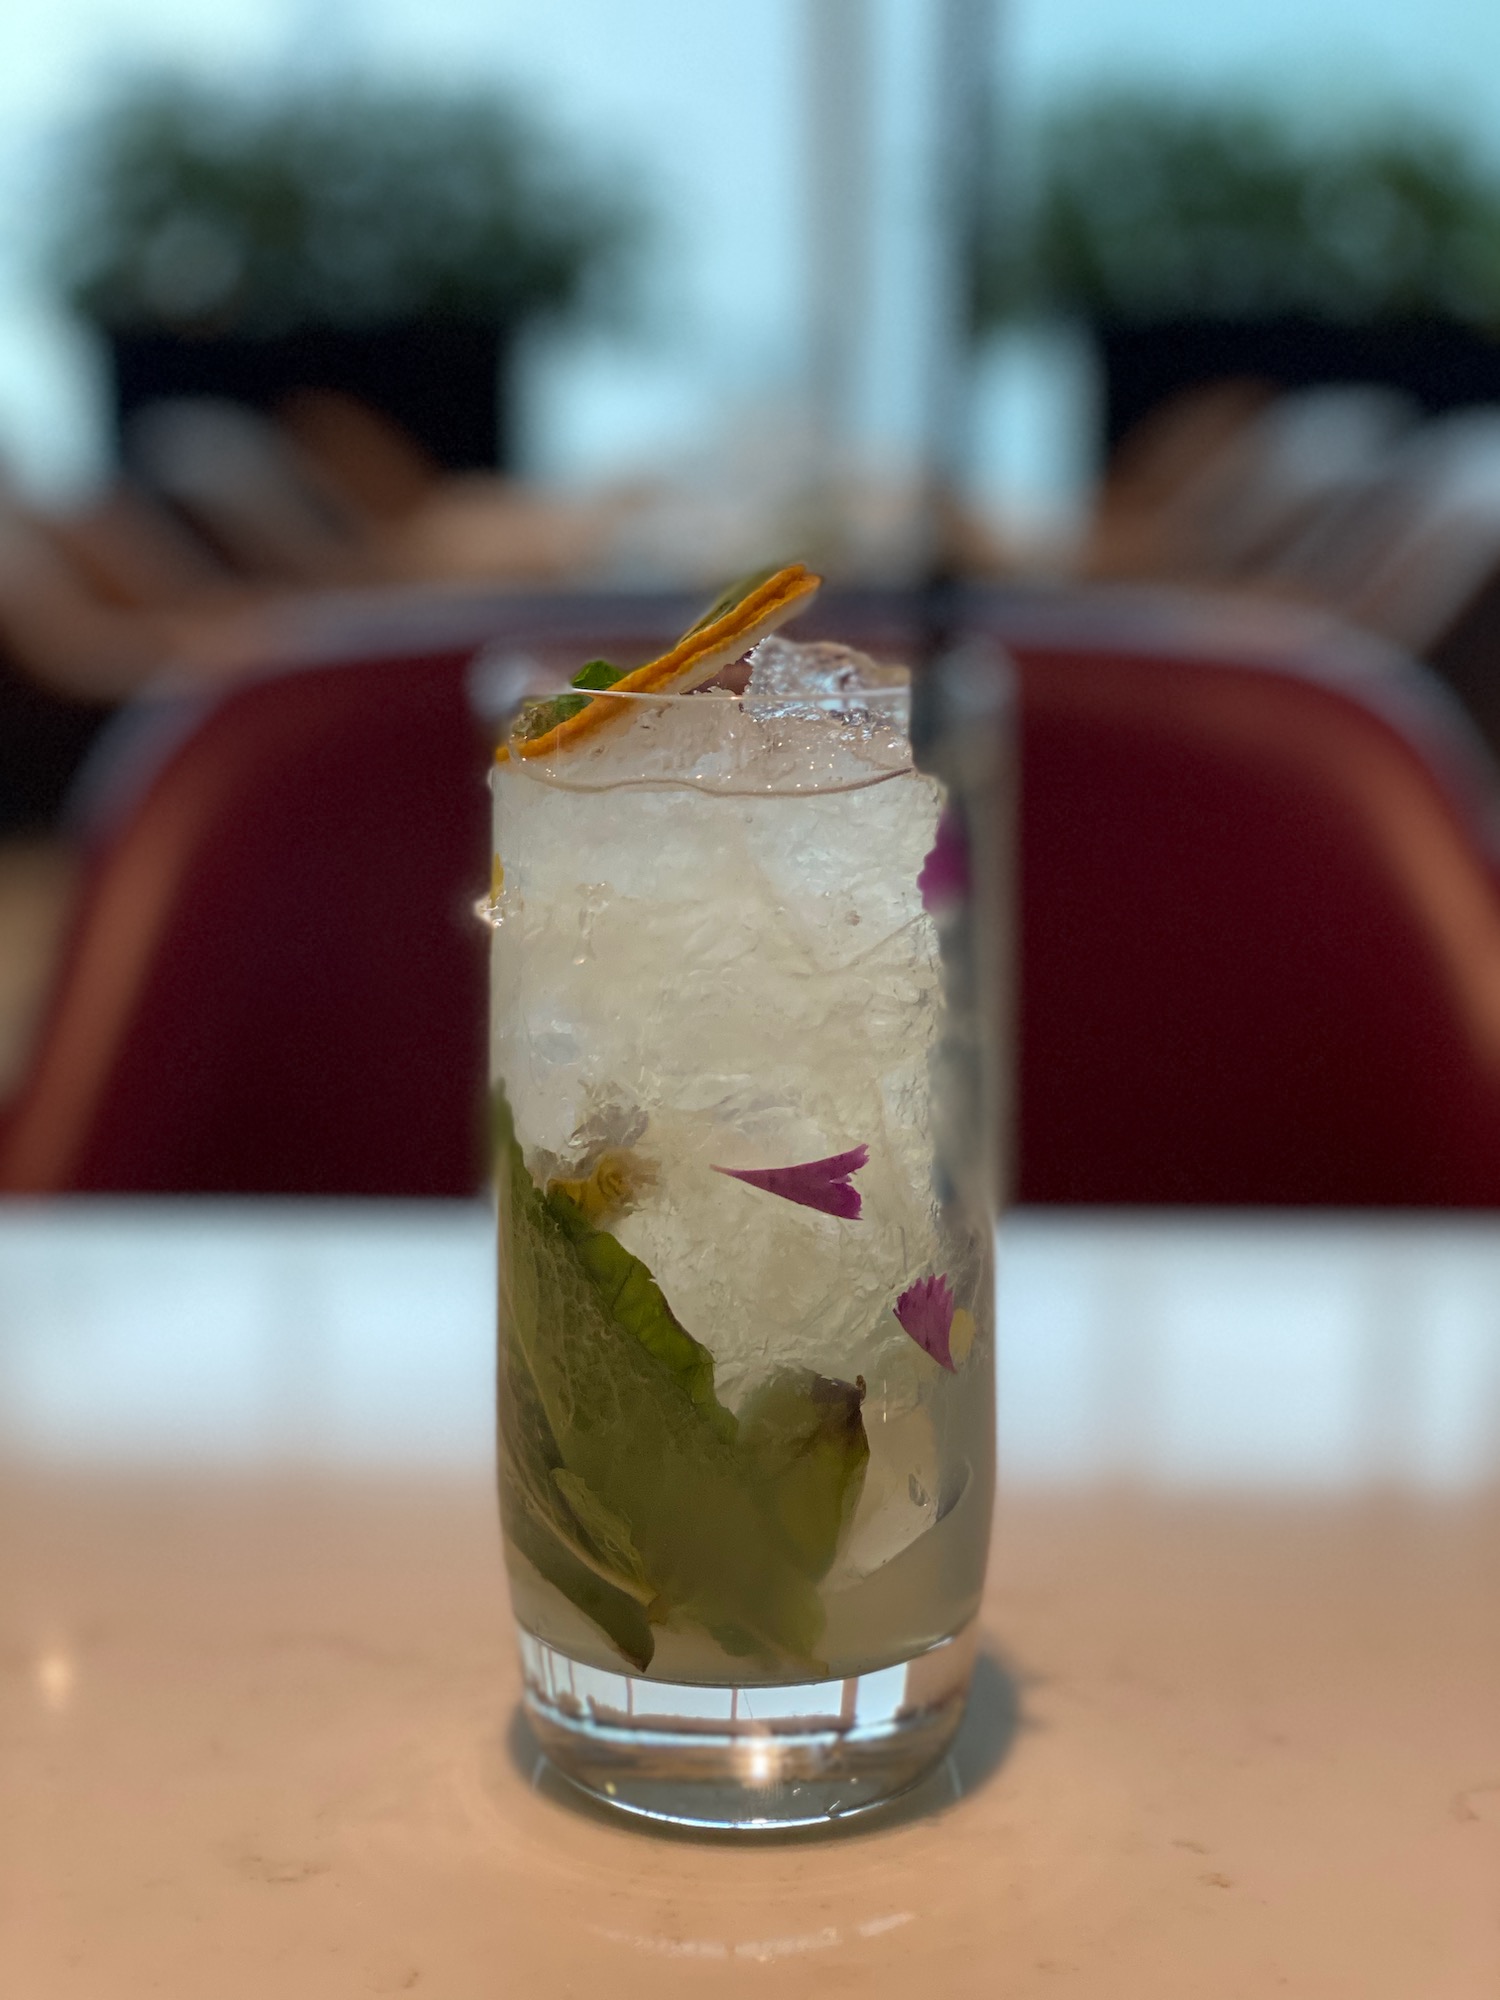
<point x="746" y="1757"/>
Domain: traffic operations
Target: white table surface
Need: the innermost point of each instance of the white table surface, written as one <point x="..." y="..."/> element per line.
<point x="1236" y="1733"/>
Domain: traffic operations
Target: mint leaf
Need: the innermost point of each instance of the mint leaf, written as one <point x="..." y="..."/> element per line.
<point x="537" y="717"/>
<point x="545" y="1530"/>
<point x="557" y="711"/>
<point x="632" y="1295"/>
<point x="597" y="674"/>
<point x="617" y="1615"/>
<point x="728" y="598"/>
<point x="604" y="1388"/>
<point x="803" y="1438"/>
<point x="608" y="1533"/>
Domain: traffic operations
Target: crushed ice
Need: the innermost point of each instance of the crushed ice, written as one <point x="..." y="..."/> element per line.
<point x="786" y="677"/>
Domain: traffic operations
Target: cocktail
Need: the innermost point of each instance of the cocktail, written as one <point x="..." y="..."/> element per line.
<point x="742" y="1110"/>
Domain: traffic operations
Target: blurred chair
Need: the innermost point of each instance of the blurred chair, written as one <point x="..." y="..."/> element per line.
<point x="1259" y="921"/>
<point x="1259" y="907"/>
<point x="1260" y="936"/>
<point x="274" y="981"/>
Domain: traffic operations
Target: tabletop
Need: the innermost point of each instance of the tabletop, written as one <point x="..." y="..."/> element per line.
<point x="1234" y="1732"/>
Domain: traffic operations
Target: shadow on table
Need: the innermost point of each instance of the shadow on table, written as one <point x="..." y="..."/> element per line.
<point x="992" y="1720"/>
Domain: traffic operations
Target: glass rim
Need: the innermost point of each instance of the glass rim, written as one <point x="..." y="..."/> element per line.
<point x="883" y="710"/>
<point x="856" y="695"/>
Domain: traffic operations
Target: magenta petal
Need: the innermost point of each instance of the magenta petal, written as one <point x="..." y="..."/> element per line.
<point x="925" y="1311"/>
<point x="822" y="1184"/>
<point x="944" y="879"/>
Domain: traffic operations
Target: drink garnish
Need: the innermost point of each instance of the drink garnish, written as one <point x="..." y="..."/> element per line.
<point x="823" y="1184"/>
<point x="737" y="621"/>
<point x="925" y="1310"/>
<point x="805" y="1436"/>
<point x="596" y="674"/>
<point x="733" y="594"/>
<point x="625" y="1482"/>
<point x="945" y="878"/>
<point x="636" y="1302"/>
<point x="611" y="1189"/>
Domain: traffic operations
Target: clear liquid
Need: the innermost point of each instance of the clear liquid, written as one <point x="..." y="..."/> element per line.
<point x="691" y="980"/>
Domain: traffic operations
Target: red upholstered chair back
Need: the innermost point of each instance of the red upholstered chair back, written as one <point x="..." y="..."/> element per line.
<point x="1260" y="938"/>
<point x="1259" y="927"/>
<point x="275" y="980"/>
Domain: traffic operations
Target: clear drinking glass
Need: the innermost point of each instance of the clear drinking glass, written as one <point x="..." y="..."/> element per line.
<point x="747" y="1060"/>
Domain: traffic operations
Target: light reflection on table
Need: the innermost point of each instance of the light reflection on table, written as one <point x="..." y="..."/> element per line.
<point x="1236" y="1728"/>
<point x="1295" y="1354"/>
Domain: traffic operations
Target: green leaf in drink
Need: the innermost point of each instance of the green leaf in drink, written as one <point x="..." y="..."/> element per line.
<point x="609" y="1418"/>
<point x="537" y="717"/>
<point x="734" y="594"/>
<point x="542" y="1526"/>
<point x="632" y="1295"/>
<point x="803" y="1439"/>
<point x="597" y="674"/>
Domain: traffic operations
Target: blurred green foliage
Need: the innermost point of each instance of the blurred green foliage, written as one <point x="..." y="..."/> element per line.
<point x="195" y="207"/>
<point x="1142" y="207"/>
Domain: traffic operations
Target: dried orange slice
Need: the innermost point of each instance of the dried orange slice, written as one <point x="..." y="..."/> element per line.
<point x="728" y="629"/>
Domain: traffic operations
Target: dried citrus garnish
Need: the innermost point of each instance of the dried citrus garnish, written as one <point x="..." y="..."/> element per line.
<point x="738" y="620"/>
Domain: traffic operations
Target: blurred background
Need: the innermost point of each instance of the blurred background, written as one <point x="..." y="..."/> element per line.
<point x="675" y="217"/>
<point x="396" y="337"/>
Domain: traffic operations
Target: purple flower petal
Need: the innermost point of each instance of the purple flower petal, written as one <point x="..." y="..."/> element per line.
<point x="944" y="879"/>
<point x="820" y="1184"/>
<point x="925" y="1311"/>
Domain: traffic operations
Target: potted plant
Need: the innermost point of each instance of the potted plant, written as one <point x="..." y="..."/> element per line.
<point x="383" y="241"/>
<point x="1207" y="240"/>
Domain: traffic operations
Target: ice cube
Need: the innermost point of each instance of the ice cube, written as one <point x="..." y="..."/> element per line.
<point x="713" y="741"/>
<point x="824" y="675"/>
<point x="762" y="985"/>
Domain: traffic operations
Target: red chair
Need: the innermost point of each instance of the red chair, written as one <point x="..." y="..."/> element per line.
<point x="1259" y="926"/>
<point x="1259" y="907"/>
<point x="275" y="980"/>
<point x="1260" y="939"/>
